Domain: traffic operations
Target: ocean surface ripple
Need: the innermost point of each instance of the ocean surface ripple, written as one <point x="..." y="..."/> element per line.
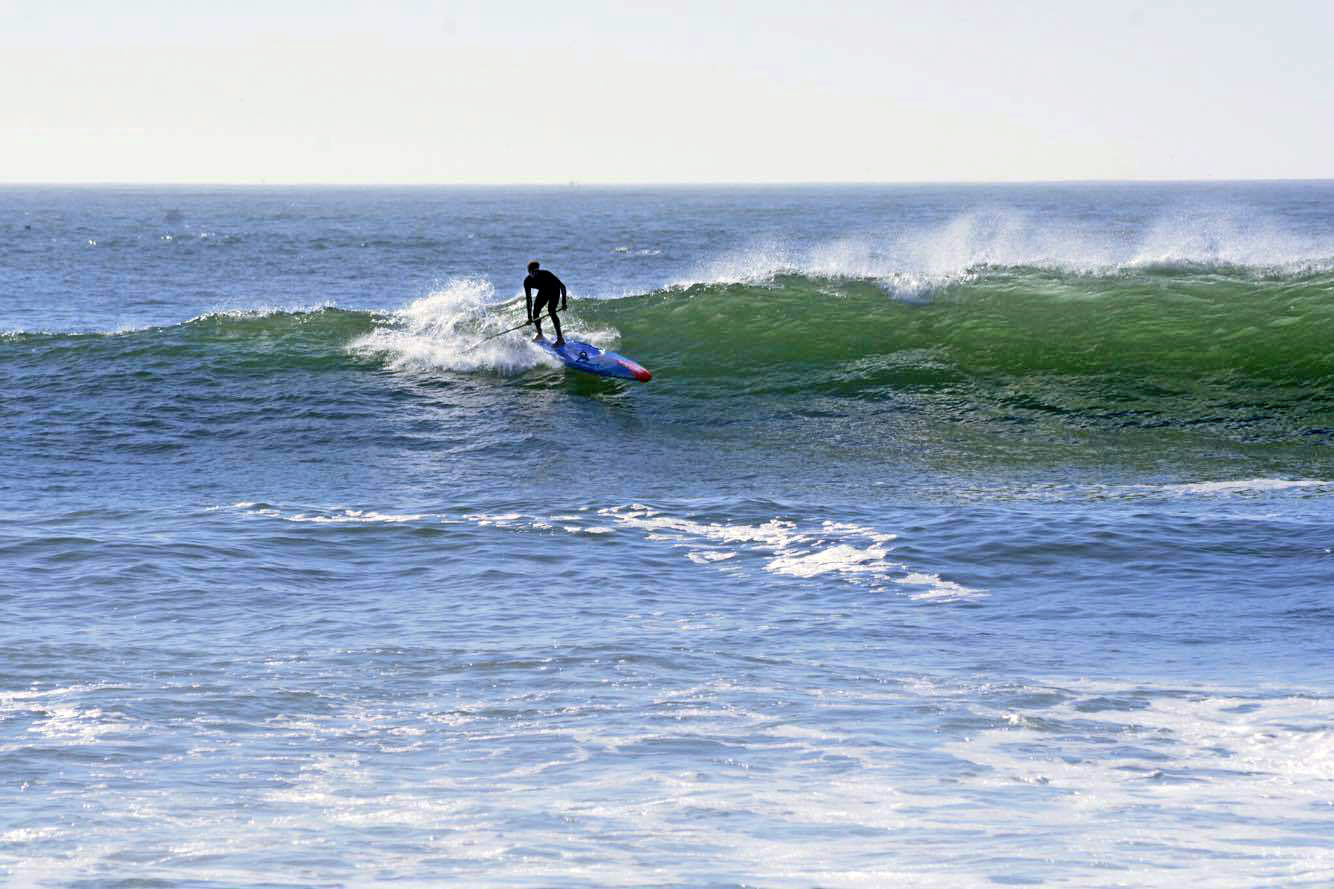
<point x="965" y="536"/>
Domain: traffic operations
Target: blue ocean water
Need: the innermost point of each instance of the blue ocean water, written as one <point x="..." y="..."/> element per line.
<point x="965" y="535"/>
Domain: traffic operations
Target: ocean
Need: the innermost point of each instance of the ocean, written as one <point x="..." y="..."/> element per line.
<point x="965" y="536"/>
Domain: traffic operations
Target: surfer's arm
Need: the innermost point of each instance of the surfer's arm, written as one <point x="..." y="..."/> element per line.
<point x="528" y="297"/>
<point x="564" y="302"/>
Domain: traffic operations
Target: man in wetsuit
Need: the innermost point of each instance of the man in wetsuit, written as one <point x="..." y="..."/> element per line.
<point x="548" y="288"/>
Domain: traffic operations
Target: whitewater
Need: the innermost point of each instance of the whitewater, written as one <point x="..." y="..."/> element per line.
<point x="965" y="536"/>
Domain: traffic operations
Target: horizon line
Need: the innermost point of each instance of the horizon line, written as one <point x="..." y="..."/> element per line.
<point x="703" y="183"/>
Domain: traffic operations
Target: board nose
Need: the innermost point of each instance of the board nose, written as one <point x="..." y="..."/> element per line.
<point x="638" y="372"/>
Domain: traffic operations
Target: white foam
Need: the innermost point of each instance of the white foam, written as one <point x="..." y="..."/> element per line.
<point x="461" y="327"/>
<point x="1090" y="783"/>
<point x="256" y="312"/>
<point x="1245" y="486"/>
<point x="347" y="516"/>
<point x="1172" y="759"/>
<point x="11" y="700"/>
<point x="938" y="590"/>
<point x="29" y="834"/>
<point x="437" y="331"/>
<point x="357" y="516"/>
<point x="705" y="558"/>
<point x="1060" y="492"/>
<point x="840" y="549"/>
<point x="59" y="718"/>
<point x="843" y="558"/>
<point x="503" y="520"/>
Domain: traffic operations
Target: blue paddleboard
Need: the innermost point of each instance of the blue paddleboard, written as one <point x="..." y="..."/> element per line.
<point x="590" y="359"/>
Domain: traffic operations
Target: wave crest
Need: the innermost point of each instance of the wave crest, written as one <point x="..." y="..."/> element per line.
<point x="910" y="263"/>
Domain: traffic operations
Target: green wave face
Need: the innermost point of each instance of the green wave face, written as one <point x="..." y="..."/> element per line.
<point x="1248" y="354"/>
<point x="1013" y="323"/>
<point x="1229" y="351"/>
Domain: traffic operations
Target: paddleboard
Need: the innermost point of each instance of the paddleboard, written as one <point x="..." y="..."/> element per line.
<point x="592" y="360"/>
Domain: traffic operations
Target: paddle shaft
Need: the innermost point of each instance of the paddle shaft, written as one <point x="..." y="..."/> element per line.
<point x="502" y="333"/>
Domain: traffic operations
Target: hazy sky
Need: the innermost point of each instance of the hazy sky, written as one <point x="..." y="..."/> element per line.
<point x="772" y="91"/>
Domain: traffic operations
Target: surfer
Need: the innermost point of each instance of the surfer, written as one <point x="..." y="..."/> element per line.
<point x="548" y="288"/>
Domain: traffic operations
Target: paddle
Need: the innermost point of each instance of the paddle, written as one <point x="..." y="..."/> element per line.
<point x="502" y="333"/>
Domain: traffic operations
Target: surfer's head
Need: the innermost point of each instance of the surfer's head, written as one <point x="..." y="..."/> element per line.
<point x="534" y="265"/>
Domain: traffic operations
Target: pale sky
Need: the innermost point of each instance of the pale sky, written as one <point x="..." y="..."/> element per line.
<point x="604" y="92"/>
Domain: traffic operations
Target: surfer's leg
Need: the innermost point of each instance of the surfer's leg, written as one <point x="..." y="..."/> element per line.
<point x="560" y="337"/>
<point x="537" y="316"/>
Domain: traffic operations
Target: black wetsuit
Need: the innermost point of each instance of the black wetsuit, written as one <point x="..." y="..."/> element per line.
<point x="549" y="290"/>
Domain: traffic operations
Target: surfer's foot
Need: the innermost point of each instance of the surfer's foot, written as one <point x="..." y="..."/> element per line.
<point x="560" y="342"/>
<point x="537" y="338"/>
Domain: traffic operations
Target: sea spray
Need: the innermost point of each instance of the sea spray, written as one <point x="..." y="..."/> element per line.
<point x="450" y="329"/>
<point x="911" y="262"/>
<point x="461" y="327"/>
